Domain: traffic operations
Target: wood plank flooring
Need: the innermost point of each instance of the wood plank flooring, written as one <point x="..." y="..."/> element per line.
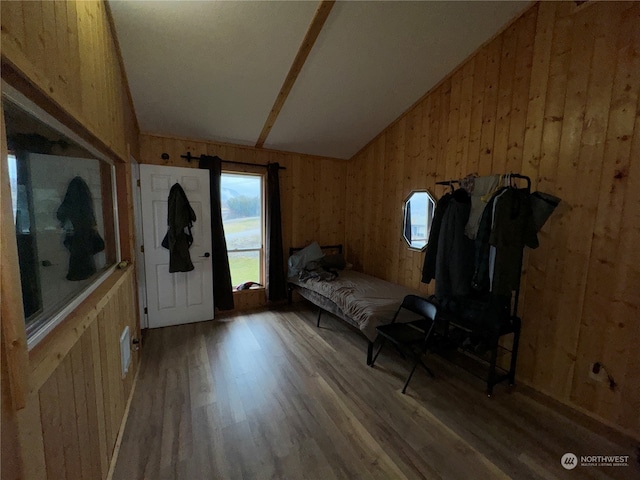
<point x="267" y="395"/>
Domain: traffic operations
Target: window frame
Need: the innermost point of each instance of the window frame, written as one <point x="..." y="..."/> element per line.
<point x="263" y="224"/>
<point x="41" y="332"/>
<point x="429" y="219"/>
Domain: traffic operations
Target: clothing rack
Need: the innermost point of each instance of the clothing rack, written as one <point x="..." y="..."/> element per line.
<point x="513" y="326"/>
<point x="450" y="183"/>
<point x="190" y="157"/>
<point x="509" y="176"/>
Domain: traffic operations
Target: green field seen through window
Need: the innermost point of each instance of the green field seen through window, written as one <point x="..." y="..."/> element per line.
<point x="243" y="233"/>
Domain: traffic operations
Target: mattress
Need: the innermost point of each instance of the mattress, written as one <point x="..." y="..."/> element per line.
<point x="364" y="300"/>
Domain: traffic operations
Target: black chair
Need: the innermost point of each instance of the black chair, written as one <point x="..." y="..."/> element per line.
<point x="411" y="338"/>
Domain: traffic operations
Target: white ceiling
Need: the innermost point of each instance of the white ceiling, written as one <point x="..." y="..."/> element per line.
<point x="211" y="70"/>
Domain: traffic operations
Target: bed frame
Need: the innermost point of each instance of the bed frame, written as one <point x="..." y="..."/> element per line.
<point x="323" y="303"/>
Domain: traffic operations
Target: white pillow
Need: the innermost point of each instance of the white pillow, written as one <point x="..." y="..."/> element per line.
<point x="299" y="260"/>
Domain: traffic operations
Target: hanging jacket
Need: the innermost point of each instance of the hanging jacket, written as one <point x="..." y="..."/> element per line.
<point x="429" y="266"/>
<point x="481" y="281"/>
<point x="482" y="186"/>
<point x="507" y="226"/>
<point x="83" y="241"/>
<point x="454" y="260"/>
<point x="513" y="229"/>
<point x="180" y="218"/>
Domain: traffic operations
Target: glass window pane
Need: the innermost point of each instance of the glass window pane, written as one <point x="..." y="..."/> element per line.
<point x="245" y="267"/>
<point x="242" y="210"/>
<point x="241" y="199"/>
<point x="418" y="215"/>
<point x="13" y="183"/>
<point x="64" y="215"/>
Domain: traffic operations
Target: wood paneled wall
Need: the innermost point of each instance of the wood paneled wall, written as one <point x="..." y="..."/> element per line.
<point x="555" y="96"/>
<point x="68" y="52"/>
<point x="64" y="57"/>
<point x="78" y="396"/>
<point x="312" y="190"/>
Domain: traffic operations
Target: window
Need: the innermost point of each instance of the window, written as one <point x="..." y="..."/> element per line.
<point x="419" y="208"/>
<point x="242" y="217"/>
<point x="64" y="215"/>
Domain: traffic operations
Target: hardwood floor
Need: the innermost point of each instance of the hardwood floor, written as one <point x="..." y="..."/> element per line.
<point x="266" y="394"/>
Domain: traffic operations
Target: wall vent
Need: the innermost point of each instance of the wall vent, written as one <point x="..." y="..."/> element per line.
<point x="125" y="351"/>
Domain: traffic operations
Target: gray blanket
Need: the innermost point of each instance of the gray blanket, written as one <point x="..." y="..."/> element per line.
<point x="367" y="300"/>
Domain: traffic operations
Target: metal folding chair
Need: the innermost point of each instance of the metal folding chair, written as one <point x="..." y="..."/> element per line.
<point x="411" y="338"/>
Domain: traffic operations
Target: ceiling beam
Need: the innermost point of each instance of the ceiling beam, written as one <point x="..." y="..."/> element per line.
<point x="303" y="52"/>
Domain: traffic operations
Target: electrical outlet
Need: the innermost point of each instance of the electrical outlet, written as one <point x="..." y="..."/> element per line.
<point x="597" y="373"/>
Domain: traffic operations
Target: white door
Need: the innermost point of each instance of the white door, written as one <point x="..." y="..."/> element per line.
<point x="182" y="297"/>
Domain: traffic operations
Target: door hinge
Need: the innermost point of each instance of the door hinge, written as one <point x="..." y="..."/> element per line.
<point x="146" y="310"/>
<point x="142" y="248"/>
<point x="138" y="182"/>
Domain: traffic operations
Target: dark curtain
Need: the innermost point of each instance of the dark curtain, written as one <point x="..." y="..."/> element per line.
<point x="222" y="289"/>
<point x="276" y="282"/>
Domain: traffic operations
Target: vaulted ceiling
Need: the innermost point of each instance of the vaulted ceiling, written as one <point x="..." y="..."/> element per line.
<point x="214" y="70"/>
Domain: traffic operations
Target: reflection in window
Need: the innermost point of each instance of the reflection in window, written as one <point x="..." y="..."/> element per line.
<point x="418" y="215"/>
<point x="63" y="212"/>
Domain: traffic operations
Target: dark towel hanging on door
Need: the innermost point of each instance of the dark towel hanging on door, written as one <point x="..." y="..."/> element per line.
<point x="178" y="240"/>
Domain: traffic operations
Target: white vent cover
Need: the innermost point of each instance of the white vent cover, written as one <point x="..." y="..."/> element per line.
<point x="125" y="351"/>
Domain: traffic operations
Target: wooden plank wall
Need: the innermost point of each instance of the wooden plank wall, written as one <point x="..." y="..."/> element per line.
<point x="78" y="396"/>
<point x="67" y="51"/>
<point x="555" y="96"/>
<point x="63" y="55"/>
<point x="312" y="190"/>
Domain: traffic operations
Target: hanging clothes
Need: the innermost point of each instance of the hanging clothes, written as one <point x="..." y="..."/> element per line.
<point x="492" y="248"/>
<point x="513" y="229"/>
<point x="83" y="240"/>
<point x="429" y="266"/>
<point x="178" y="240"/>
<point x="482" y="186"/>
<point x="481" y="280"/>
<point x="454" y="259"/>
<point x="543" y="205"/>
<point x="468" y="183"/>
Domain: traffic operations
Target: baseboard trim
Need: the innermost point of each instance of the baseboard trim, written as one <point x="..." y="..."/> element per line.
<point x="581" y="415"/>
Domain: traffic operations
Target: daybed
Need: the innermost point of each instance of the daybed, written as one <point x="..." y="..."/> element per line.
<point x="361" y="300"/>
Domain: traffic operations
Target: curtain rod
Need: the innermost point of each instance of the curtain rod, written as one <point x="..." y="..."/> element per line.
<point x="190" y="157"/>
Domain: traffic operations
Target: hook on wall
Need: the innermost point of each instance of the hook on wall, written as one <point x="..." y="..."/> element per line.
<point x="164" y="156"/>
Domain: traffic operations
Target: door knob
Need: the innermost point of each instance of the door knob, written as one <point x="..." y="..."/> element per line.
<point x="206" y="255"/>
